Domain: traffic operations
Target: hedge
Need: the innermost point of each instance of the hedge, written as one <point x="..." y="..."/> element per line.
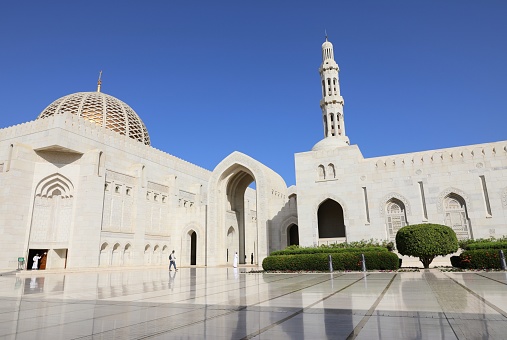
<point x="375" y="260"/>
<point x="487" y="245"/>
<point x="326" y="250"/>
<point x="479" y="259"/>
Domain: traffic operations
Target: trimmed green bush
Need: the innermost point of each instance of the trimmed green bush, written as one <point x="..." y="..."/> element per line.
<point x="478" y="243"/>
<point x="480" y="259"/>
<point x="322" y="250"/>
<point x="426" y="241"/>
<point x="487" y="245"/>
<point x="375" y="260"/>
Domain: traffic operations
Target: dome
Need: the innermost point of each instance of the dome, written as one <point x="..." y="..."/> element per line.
<point x="103" y="110"/>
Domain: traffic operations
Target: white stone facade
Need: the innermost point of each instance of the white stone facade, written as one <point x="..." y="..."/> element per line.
<point x="74" y="187"/>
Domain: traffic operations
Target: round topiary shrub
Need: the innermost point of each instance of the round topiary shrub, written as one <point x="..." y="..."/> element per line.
<point x="426" y="241"/>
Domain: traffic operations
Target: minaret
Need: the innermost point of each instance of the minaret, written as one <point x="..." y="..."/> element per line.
<point x="331" y="102"/>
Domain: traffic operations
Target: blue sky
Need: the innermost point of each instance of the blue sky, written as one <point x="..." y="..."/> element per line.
<point x="212" y="77"/>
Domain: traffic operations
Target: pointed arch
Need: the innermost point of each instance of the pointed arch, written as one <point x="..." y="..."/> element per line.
<point x="156" y="254"/>
<point x="394" y="196"/>
<point x="52" y="210"/>
<point x="127" y="255"/>
<point x="456" y="215"/>
<point x="321" y="172"/>
<point x="452" y="190"/>
<point x="286" y="228"/>
<point x="226" y="189"/>
<point x="116" y="255"/>
<point x="49" y="184"/>
<point x="147" y="254"/>
<point x="331" y="172"/>
<point x="396" y="217"/>
<point x="104" y="255"/>
<point x="330" y="219"/>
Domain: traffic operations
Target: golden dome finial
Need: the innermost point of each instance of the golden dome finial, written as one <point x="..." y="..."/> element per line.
<point x="99" y="82"/>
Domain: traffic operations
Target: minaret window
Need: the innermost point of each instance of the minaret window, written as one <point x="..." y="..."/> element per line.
<point x="329" y="85"/>
<point x="323" y="88"/>
<point x="334" y="85"/>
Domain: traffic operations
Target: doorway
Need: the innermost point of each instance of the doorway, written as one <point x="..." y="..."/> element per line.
<point x="193" y="248"/>
<point x="37" y="255"/>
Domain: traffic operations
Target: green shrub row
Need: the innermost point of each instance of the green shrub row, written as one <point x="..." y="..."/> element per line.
<point x="375" y="260"/>
<point x="478" y="259"/>
<point x="320" y="250"/>
<point x="464" y="244"/>
<point x="487" y="245"/>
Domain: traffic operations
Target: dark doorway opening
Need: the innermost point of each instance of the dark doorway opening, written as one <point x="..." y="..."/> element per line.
<point x="41" y="262"/>
<point x="193" y="249"/>
<point x="293" y="235"/>
<point x="330" y="217"/>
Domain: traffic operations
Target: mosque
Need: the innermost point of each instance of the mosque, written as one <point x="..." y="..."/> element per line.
<point x="82" y="186"/>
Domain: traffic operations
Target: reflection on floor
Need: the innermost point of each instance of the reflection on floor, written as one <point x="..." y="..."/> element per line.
<point x="226" y="303"/>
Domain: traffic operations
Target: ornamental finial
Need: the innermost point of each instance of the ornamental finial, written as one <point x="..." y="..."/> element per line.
<point x="99" y="82"/>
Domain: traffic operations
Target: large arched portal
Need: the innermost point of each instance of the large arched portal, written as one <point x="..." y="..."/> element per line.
<point x="331" y="221"/>
<point x="241" y="210"/>
<point x="241" y="213"/>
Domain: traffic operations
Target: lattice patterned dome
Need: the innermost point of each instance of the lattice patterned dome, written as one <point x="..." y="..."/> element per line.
<point x="102" y="109"/>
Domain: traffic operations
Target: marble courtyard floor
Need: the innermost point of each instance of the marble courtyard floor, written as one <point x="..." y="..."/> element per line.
<point x="223" y="303"/>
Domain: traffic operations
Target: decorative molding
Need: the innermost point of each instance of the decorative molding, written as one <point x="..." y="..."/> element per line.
<point x="117" y="176"/>
<point x="504" y="198"/>
<point x="386" y="198"/>
<point x="447" y="192"/>
<point x="158" y="187"/>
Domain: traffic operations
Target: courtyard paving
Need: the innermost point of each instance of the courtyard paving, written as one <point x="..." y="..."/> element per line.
<point x="227" y="303"/>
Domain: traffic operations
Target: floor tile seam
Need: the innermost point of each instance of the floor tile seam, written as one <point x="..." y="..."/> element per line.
<point x="75" y="321"/>
<point x="229" y="312"/>
<point x="202" y="296"/>
<point x="146" y="336"/>
<point x="81" y="310"/>
<point x="32" y="309"/>
<point x="436" y="294"/>
<point x="490" y="304"/>
<point x="254" y="334"/>
<point x="355" y="332"/>
<point x="192" y="290"/>
<point x="291" y="292"/>
<point x="253" y="285"/>
<point x="492" y="279"/>
<point x="104" y="316"/>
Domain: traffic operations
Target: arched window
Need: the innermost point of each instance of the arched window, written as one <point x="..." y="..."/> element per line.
<point x="322" y="172"/>
<point x="456" y="215"/>
<point x="330" y="171"/>
<point x="395" y="217"/>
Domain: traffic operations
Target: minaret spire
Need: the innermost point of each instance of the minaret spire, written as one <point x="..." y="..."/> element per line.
<point x="99" y="82"/>
<point x="331" y="103"/>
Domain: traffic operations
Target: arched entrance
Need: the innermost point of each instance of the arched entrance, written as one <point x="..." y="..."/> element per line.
<point x="248" y="209"/>
<point x="293" y="235"/>
<point x="193" y="248"/>
<point x="331" y="221"/>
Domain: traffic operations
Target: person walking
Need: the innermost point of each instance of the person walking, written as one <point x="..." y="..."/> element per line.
<point x="172" y="261"/>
